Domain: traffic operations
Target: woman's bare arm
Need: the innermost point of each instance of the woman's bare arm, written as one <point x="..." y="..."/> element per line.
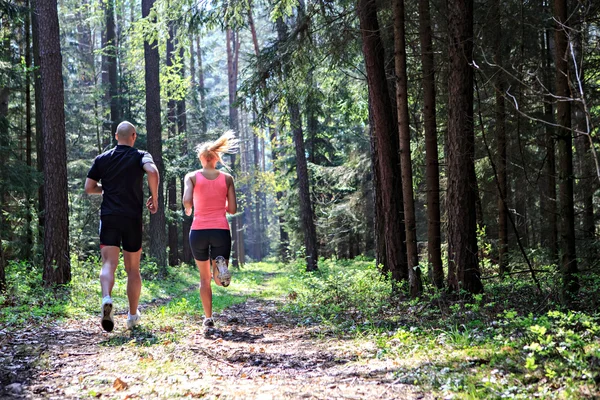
<point x="231" y="200"/>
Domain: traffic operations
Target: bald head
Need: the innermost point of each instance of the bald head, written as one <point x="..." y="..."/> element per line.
<point x="126" y="133"/>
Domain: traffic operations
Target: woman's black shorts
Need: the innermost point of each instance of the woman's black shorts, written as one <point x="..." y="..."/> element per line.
<point x="116" y="229"/>
<point x="210" y="242"/>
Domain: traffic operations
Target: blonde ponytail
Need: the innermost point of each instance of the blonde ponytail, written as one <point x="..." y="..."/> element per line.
<point x="227" y="143"/>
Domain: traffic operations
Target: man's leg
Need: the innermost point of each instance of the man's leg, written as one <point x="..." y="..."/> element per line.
<point x="110" y="261"/>
<point x="134" y="278"/>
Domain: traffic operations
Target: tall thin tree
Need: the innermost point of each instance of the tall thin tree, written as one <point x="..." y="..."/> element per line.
<point x="548" y="195"/>
<point x="57" y="264"/>
<point x="565" y="154"/>
<point x="110" y="50"/>
<point x="39" y="126"/>
<point x="414" y="272"/>
<point x="158" y="236"/>
<point x="237" y="223"/>
<point x="385" y="140"/>
<point x="501" y="142"/>
<point x="432" y="172"/>
<point x="463" y="263"/>
<point x="173" y="203"/>
<point x="306" y="209"/>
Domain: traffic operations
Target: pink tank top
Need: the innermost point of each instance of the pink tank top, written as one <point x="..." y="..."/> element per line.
<point x="210" y="203"/>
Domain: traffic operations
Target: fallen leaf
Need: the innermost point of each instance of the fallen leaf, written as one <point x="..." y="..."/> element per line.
<point x="269" y="325"/>
<point x="119" y="385"/>
<point x="262" y="350"/>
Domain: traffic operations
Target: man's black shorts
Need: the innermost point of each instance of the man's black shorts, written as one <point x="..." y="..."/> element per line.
<point x="116" y="229"/>
<point x="218" y="241"/>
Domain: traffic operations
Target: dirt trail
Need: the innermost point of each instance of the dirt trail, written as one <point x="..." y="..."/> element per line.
<point x="255" y="352"/>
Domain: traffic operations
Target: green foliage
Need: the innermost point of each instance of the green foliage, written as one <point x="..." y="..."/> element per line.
<point x="492" y="346"/>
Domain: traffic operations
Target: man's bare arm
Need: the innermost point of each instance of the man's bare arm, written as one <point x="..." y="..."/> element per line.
<point x="92" y="186"/>
<point x="153" y="180"/>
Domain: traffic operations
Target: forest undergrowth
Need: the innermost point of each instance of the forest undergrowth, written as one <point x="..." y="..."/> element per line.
<point x="340" y="329"/>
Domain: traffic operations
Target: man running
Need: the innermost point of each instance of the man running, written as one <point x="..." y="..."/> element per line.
<point x="121" y="171"/>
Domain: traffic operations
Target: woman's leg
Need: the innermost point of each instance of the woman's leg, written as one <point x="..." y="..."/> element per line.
<point x="205" y="289"/>
<point x="213" y="266"/>
<point x="220" y="251"/>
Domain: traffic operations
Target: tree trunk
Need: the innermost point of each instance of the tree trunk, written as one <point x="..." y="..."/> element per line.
<point x="158" y="236"/>
<point x="172" y="180"/>
<point x="262" y="207"/>
<point x="463" y="263"/>
<point x="501" y="145"/>
<point x="548" y="198"/>
<point x="39" y="126"/>
<point x="434" y="235"/>
<point x="237" y="225"/>
<point x="202" y="90"/>
<point x="565" y="156"/>
<point x="284" y="238"/>
<point x="4" y="149"/>
<point x="386" y="142"/>
<point x="379" y="207"/>
<point x="182" y="130"/>
<point x="587" y="176"/>
<point x="414" y="272"/>
<point x="111" y="63"/>
<point x="57" y="265"/>
<point x="307" y="221"/>
<point x="28" y="133"/>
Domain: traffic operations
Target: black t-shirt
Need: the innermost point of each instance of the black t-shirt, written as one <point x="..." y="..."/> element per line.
<point x="121" y="172"/>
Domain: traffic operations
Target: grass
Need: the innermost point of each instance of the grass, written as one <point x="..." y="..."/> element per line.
<point x="508" y="343"/>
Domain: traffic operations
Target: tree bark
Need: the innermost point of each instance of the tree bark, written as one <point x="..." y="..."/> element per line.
<point x="28" y="132"/>
<point x="284" y="238"/>
<point x="548" y="198"/>
<point x="463" y="263"/>
<point x="201" y="89"/>
<point x="237" y="225"/>
<point x="306" y="208"/>
<point x="182" y="130"/>
<point x="258" y="160"/>
<point x="158" y="236"/>
<point x="386" y="142"/>
<point x="500" y="112"/>
<point x="414" y="272"/>
<point x="39" y="126"/>
<point x="565" y="156"/>
<point x="432" y="172"/>
<point x="172" y="180"/>
<point x="587" y="177"/>
<point x="57" y="265"/>
<point x="111" y="63"/>
<point x="4" y="148"/>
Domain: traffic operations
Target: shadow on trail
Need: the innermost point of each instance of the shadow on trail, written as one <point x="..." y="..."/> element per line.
<point x="140" y="336"/>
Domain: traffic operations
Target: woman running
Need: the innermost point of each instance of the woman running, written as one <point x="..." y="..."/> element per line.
<point x="211" y="193"/>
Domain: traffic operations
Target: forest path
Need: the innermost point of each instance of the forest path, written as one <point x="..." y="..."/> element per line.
<point x="254" y="352"/>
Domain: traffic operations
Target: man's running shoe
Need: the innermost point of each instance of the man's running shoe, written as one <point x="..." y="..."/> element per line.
<point x="208" y="323"/>
<point x="133" y="320"/>
<point x="107" y="314"/>
<point x="221" y="271"/>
